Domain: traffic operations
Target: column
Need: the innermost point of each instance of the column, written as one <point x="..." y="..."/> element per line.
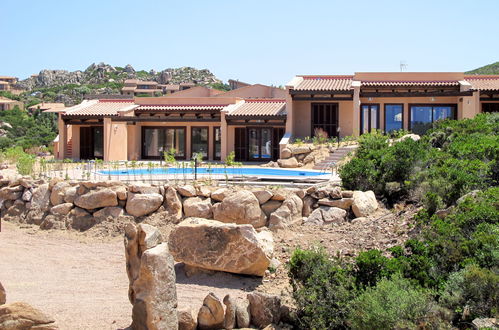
<point x="356" y="108"/>
<point x="225" y="134"/>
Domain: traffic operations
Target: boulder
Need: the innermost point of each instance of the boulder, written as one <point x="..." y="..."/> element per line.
<point x="286" y="153"/>
<point x="61" y="209"/>
<point x="58" y="193"/>
<point x="241" y="208"/>
<point x="11" y="193"/>
<point x="143" y="188"/>
<point x="52" y="222"/>
<point x="187" y="191"/>
<point x="187" y="319"/>
<point x="143" y="204"/>
<point x="414" y="137"/>
<point x="486" y="323"/>
<point x="41" y="197"/>
<point x="343" y="203"/>
<point x="121" y="192"/>
<point x="221" y="246"/>
<point x="335" y="192"/>
<point x="346" y="193"/>
<point x="230" y="313"/>
<point x="289" y="213"/>
<point x="264" y="309"/>
<point x="3" y="295"/>
<point x="173" y="203"/>
<point x="219" y="194"/>
<point x="211" y="314"/>
<point x="70" y="195"/>
<point x="109" y="212"/>
<point x="203" y="191"/>
<point x="325" y="215"/>
<point x="96" y="199"/>
<point x="288" y="163"/>
<point x="198" y="207"/>
<point x="243" y="316"/>
<point x="308" y="205"/>
<point x="27" y="195"/>
<point x="364" y="203"/>
<point x="270" y="207"/>
<point x="155" y="304"/>
<point x="263" y="195"/>
<point x="151" y="274"/>
<point x="22" y="316"/>
<point x="297" y="150"/>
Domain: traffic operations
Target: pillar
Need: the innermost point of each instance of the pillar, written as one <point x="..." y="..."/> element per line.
<point x="224" y="130"/>
<point x="63" y="140"/>
<point x="356" y="108"/>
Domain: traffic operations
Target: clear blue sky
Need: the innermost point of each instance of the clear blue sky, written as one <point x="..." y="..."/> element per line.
<point x="254" y="41"/>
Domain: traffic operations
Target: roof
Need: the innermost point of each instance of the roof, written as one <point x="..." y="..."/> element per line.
<point x="128" y="88"/>
<point x="263" y="107"/>
<point x="484" y="83"/>
<point x="6" y="100"/>
<point x="325" y="83"/>
<point x="428" y="83"/>
<point x="100" y="108"/>
<point x="4" y="83"/>
<point x="48" y="107"/>
<point x="180" y="107"/>
<point x="171" y="87"/>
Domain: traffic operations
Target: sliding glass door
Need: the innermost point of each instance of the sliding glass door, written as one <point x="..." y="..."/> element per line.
<point x="260" y="143"/>
<point x="369" y="117"/>
<point x="217" y="143"/>
<point x="394" y="114"/>
<point x="199" y="141"/>
<point x="422" y="116"/>
<point x="157" y="140"/>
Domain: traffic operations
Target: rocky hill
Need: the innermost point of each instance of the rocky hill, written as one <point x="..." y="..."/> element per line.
<point x="486" y="69"/>
<point x="71" y="86"/>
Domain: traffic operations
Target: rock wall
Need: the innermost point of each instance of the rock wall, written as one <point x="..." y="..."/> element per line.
<point x="60" y="204"/>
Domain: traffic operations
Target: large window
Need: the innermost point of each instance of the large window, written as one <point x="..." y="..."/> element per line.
<point x="394" y="114"/>
<point x="199" y="140"/>
<point x="422" y="116"/>
<point x="325" y="117"/>
<point x="157" y="140"/>
<point x="369" y="117"/>
<point x="217" y="143"/>
<point x="490" y="107"/>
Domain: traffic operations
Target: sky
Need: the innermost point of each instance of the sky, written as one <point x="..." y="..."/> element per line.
<point x="253" y="41"/>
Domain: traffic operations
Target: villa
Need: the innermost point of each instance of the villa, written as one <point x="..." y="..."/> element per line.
<point x="257" y="121"/>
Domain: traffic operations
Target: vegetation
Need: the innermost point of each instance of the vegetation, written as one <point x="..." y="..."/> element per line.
<point x="448" y="273"/>
<point x="487" y="69"/>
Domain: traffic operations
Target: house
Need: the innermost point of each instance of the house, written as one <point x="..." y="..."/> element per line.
<point x="7" y="83"/>
<point x="47" y="107"/>
<point x="8" y="104"/>
<point x="257" y="121"/>
<point x="137" y="87"/>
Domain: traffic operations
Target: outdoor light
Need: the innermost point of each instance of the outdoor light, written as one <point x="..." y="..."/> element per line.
<point x="370" y="99"/>
<point x="432" y="99"/>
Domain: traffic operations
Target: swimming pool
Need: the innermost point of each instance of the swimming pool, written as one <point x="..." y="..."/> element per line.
<point x="240" y="171"/>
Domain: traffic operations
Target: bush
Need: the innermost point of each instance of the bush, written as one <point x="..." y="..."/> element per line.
<point x="475" y="288"/>
<point x="392" y="303"/>
<point x="25" y="164"/>
<point x="323" y="289"/>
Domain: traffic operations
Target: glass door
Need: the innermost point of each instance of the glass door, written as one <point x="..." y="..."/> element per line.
<point x="265" y="144"/>
<point x="217" y="143"/>
<point x="253" y="144"/>
<point x="158" y="140"/>
<point x="260" y="143"/>
<point x="369" y="118"/>
<point x="199" y="140"/>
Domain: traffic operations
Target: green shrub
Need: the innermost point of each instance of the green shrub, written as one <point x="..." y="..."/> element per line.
<point x="25" y="164"/>
<point x="322" y="289"/>
<point x="473" y="287"/>
<point x="392" y="303"/>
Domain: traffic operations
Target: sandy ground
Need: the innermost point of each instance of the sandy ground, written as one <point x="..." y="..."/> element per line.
<point x="81" y="281"/>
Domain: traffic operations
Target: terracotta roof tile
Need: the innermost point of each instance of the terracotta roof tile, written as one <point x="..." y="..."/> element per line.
<point x="260" y="108"/>
<point x="180" y="107"/>
<point x="325" y="83"/>
<point x="384" y="83"/>
<point x="100" y="108"/>
<point x="484" y="83"/>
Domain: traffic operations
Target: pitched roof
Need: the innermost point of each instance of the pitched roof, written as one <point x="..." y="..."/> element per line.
<point x="263" y="107"/>
<point x="180" y="107"/>
<point x="100" y="108"/>
<point x="325" y="83"/>
<point x="48" y="107"/>
<point x="484" y="83"/>
<point x="428" y="83"/>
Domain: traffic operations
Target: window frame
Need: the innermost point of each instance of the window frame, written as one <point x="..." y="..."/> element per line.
<point x="384" y="115"/>
<point x="361" y="117"/>
<point x="432" y="105"/>
<point x="143" y="134"/>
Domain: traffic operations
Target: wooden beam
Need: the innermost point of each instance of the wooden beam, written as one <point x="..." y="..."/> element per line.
<point x="489" y="99"/>
<point x="306" y="98"/>
<point x="229" y="117"/>
<point x="162" y="119"/>
<point x="415" y="94"/>
<point x="256" y="124"/>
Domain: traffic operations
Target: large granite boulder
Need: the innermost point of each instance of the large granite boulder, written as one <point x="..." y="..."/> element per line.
<point x="265" y="309"/>
<point x="187" y="319"/>
<point x="95" y="199"/>
<point x="62" y="209"/>
<point x="221" y="246"/>
<point x="198" y="207"/>
<point x="325" y="215"/>
<point x="288" y="163"/>
<point x="20" y="316"/>
<point x="364" y="203"/>
<point x="290" y="212"/>
<point x="151" y="273"/>
<point x="41" y="197"/>
<point x="243" y="314"/>
<point x="11" y="193"/>
<point x="187" y="191"/>
<point x="173" y="203"/>
<point x="211" y="314"/>
<point x="58" y="193"/>
<point x="143" y="204"/>
<point x="230" y="313"/>
<point x="241" y="208"/>
<point x="220" y="194"/>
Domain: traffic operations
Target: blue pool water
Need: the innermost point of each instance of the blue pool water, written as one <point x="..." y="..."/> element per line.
<point x="205" y="170"/>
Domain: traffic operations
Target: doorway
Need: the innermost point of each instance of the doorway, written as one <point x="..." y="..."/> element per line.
<point x="369" y="118"/>
<point x="92" y="142"/>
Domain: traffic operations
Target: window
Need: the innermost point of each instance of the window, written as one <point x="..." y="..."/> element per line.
<point x="325" y="117"/>
<point x="199" y="140"/>
<point x="369" y="117"/>
<point x="490" y="107"/>
<point x="157" y="140"/>
<point x="422" y="116"/>
<point x="394" y="114"/>
<point x="217" y="143"/>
